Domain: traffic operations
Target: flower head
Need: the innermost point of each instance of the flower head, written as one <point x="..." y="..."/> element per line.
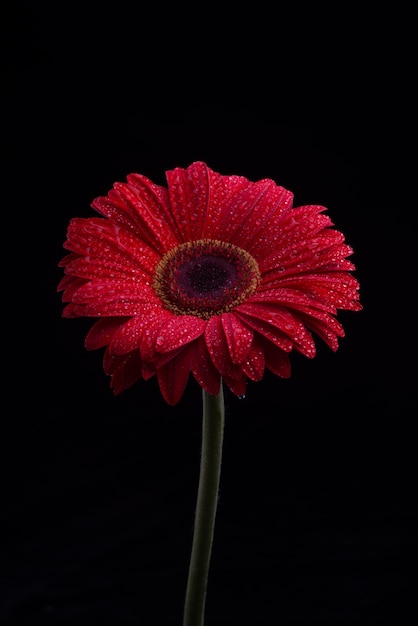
<point x="214" y="276"/>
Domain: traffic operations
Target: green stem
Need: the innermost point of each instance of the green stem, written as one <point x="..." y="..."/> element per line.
<point x="207" y="499"/>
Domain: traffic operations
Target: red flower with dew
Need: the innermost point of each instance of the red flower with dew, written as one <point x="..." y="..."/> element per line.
<point x="214" y="276"/>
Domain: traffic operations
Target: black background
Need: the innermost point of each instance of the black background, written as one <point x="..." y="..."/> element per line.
<point x="317" y="513"/>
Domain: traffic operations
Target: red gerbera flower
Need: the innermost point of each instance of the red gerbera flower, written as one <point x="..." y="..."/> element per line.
<point x="213" y="275"/>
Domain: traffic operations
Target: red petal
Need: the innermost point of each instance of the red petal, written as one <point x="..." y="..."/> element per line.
<point x="288" y="225"/>
<point x="173" y="377"/>
<point x="67" y="259"/>
<point x="128" y="336"/>
<point x="105" y="291"/>
<point x="327" y="291"/>
<point x="102" y="332"/>
<point x="141" y="207"/>
<point x="99" y="238"/>
<point x="260" y="208"/>
<point x="199" y="198"/>
<point x="120" y="307"/>
<point x="90" y="268"/>
<point x="325" y="326"/>
<point x="281" y="319"/>
<point x="150" y="368"/>
<point x="73" y="310"/>
<point x="276" y="360"/>
<point x="69" y="285"/>
<point x="189" y="191"/>
<point x="177" y="331"/>
<point x="124" y="370"/>
<point x="157" y="197"/>
<point x="237" y="386"/>
<point x="297" y="251"/>
<point x="151" y="224"/>
<point x="253" y="366"/>
<point x="203" y="368"/>
<point x="151" y="332"/>
<point x="291" y="298"/>
<point x="238" y="337"/>
<point x="218" y="349"/>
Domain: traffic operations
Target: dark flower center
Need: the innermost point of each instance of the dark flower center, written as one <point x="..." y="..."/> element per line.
<point x="205" y="277"/>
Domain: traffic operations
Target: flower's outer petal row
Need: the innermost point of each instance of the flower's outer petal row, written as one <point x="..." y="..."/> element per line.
<point x="127" y="337"/>
<point x="96" y="292"/>
<point x="149" y="226"/>
<point x="238" y="386"/>
<point x="329" y="291"/>
<point x="203" y="368"/>
<point x="98" y="241"/>
<point x="124" y="370"/>
<point x="198" y="197"/>
<point x="97" y="298"/>
<point x="295" y="253"/>
<point x="108" y="299"/>
<point x="69" y="285"/>
<point x="287" y="226"/>
<point x="156" y="199"/>
<point x="257" y="210"/>
<point x="230" y="208"/>
<point x="217" y="345"/>
<point x="173" y="376"/>
<point x="292" y="239"/>
<point x="153" y="323"/>
<point x="238" y="337"/>
<point x="141" y="209"/>
<point x="326" y="260"/>
<point x="102" y="332"/>
<point x="150" y="368"/>
<point x="118" y="265"/>
<point x="66" y="260"/>
<point x="312" y="315"/>
<point x="289" y="297"/>
<point x="178" y="331"/>
<point x="190" y="193"/>
<point x="276" y="360"/>
<point x="303" y="222"/>
<point x="253" y="366"/>
<point x="323" y="325"/>
<point x="73" y="310"/>
<point x="112" y="268"/>
<point x="266" y="329"/>
<point x="100" y="309"/>
<point x="281" y="319"/>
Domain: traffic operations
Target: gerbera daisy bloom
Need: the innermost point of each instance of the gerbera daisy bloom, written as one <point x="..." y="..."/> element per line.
<point x="214" y="276"/>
